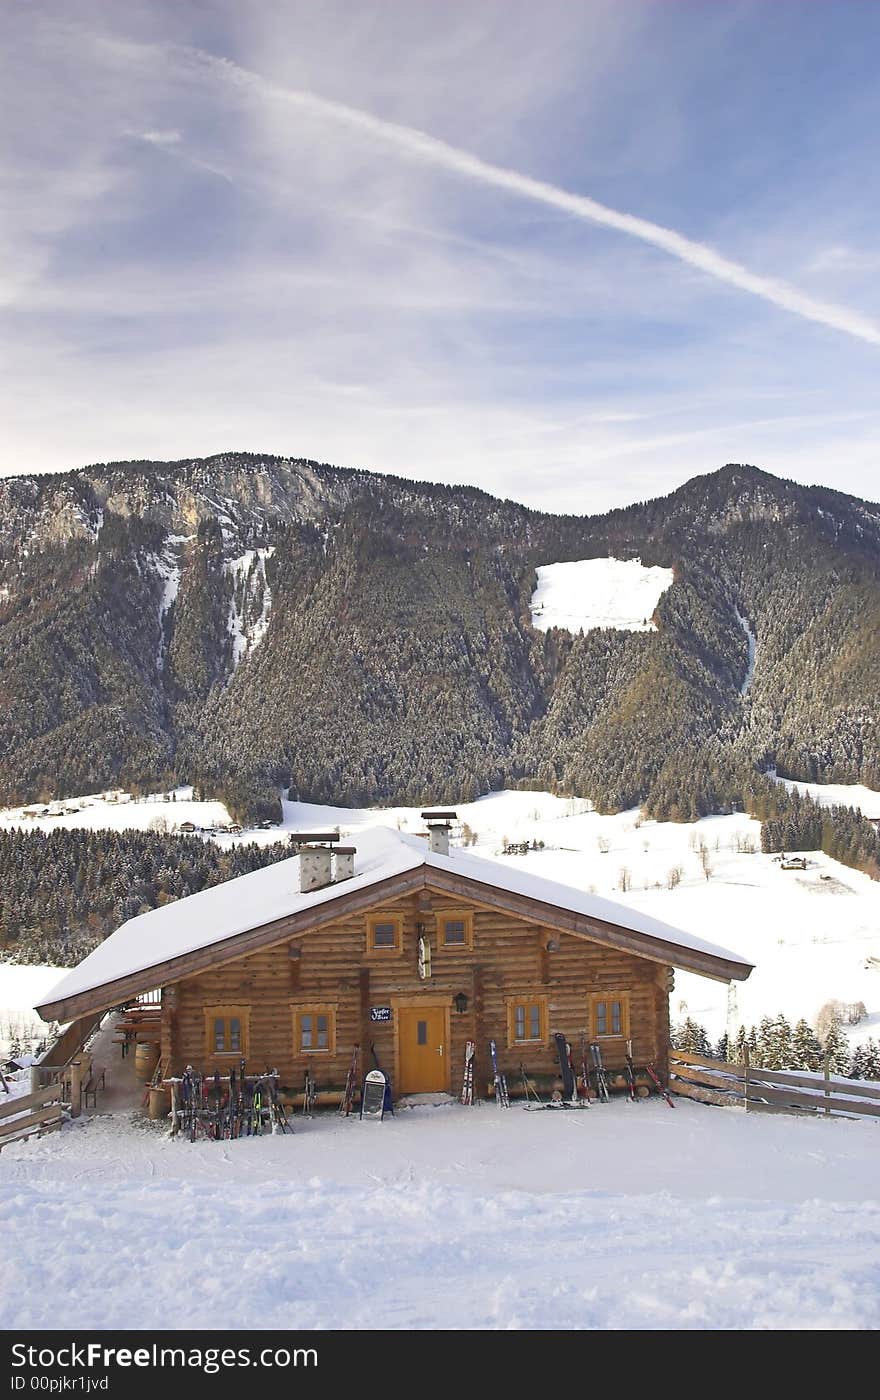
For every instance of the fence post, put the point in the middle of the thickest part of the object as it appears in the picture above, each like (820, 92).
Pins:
(746, 1077)
(827, 1081)
(75, 1087)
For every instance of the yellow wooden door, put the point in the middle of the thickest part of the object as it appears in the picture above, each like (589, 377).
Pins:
(422, 1049)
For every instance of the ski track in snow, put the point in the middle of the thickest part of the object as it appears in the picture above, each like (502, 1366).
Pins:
(624, 1216)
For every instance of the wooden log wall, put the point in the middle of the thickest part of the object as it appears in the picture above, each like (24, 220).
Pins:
(332, 966)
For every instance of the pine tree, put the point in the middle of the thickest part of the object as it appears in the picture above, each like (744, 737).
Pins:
(754, 1047)
(807, 1052)
(779, 1054)
(837, 1049)
(766, 1042)
(692, 1038)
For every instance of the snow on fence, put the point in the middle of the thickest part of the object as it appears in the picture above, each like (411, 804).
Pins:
(771, 1091)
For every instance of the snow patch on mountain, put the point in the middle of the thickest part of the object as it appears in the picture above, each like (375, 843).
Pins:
(863, 799)
(168, 568)
(251, 601)
(585, 594)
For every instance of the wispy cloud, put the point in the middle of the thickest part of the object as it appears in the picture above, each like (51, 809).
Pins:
(160, 138)
(429, 150)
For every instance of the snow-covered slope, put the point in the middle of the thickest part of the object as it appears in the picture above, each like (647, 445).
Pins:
(623, 1216)
(590, 593)
(864, 799)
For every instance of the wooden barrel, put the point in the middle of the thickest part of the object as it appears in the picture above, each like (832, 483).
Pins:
(146, 1058)
(160, 1103)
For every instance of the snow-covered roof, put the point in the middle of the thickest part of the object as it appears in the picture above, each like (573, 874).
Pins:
(264, 896)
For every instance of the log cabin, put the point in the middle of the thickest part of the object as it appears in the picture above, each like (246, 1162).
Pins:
(398, 943)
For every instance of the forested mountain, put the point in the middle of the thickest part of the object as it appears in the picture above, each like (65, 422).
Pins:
(250, 623)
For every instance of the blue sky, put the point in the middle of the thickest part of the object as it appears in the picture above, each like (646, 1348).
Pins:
(639, 241)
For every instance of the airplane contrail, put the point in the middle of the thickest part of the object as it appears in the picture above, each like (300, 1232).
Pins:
(432, 151)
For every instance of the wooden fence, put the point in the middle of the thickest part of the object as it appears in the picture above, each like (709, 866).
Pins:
(31, 1115)
(769, 1090)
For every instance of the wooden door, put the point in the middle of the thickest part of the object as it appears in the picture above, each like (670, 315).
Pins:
(422, 1050)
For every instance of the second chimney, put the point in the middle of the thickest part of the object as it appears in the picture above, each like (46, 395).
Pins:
(439, 824)
(343, 860)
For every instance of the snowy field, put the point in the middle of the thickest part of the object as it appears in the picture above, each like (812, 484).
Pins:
(588, 593)
(810, 933)
(159, 811)
(623, 1216)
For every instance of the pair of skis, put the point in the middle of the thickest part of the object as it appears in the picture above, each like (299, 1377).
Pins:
(351, 1082)
(499, 1080)
(467, 1084)
(651, 1071)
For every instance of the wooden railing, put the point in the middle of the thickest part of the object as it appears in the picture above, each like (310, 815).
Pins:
(31, 1115)
(65, 1063)
(770, 1090)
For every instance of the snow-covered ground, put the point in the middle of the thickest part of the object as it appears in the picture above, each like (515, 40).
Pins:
(588, 593)
(623, 1216)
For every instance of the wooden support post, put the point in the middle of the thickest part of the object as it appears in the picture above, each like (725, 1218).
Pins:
(827, 1082)
(746, 1077)
(175, 1122)
(366, 1032)
(76, 1081)
(481, 1072)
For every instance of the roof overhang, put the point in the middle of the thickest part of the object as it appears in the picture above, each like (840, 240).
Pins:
(422, 877)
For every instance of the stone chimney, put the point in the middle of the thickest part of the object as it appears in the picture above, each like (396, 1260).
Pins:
(314, 868)
(343, 863)
(314, 858)
(439, 824)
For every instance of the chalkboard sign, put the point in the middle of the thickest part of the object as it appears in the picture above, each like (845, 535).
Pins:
(380, 1013)
(373, 1096)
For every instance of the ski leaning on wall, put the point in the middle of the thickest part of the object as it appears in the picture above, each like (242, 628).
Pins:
(502, 1098)
(467, 1084)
